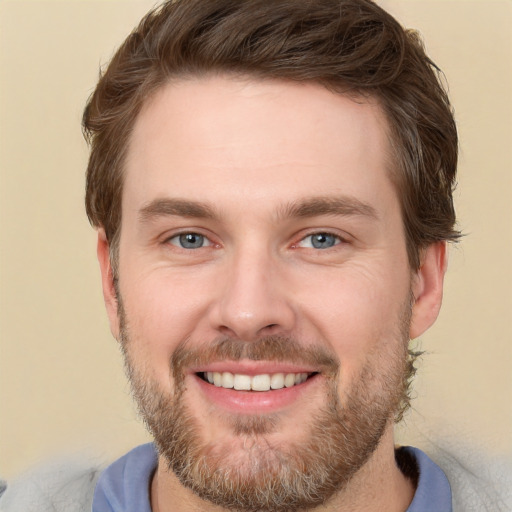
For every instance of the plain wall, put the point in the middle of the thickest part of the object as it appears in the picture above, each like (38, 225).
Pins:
(62, 387)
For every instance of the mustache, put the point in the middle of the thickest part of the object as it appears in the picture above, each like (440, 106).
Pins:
(269, 348)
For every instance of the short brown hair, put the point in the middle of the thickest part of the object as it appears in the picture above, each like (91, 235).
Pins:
(349, 46)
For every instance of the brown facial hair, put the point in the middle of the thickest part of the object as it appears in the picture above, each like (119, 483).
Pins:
(341, 436)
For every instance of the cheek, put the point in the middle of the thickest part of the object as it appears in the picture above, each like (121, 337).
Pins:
(358, 312)
(161, 313)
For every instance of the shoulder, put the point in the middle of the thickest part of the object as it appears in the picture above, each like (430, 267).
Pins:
(63, 486)
(480, 480)
(71, 485)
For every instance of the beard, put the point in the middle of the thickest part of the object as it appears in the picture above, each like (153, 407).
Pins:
(264, 475)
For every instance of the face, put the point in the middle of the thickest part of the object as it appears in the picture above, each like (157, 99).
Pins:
(265, 300)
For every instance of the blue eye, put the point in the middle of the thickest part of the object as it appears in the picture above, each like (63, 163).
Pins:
(320, 241)
(189, 241)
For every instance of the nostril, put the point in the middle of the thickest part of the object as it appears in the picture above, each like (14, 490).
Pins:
(270, 329)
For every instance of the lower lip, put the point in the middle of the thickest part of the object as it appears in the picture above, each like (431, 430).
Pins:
(255, 402)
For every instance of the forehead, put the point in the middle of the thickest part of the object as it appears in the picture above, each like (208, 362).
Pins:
(269, 141)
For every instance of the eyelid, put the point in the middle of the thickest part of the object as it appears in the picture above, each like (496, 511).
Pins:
(341, 239)
(187, 231)
(206, 241)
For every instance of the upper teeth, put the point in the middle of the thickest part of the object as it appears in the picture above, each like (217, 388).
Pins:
(264, 382)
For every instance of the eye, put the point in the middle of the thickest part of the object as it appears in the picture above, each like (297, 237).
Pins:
(190, 241)
(320, 241)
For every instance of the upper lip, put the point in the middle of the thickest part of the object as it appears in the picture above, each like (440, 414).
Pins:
(254, 367)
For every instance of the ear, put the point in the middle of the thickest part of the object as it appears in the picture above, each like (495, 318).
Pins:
(427, 288)
(107, 281)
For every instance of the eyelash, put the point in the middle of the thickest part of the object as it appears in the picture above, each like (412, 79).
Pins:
(337, 240)
(178, 236)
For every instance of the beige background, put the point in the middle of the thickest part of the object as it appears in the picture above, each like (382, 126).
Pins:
(62, 387)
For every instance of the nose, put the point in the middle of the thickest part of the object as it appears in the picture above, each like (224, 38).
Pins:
(254, 299)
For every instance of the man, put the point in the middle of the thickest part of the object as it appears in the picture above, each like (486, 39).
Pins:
(272, 188)
(271, 183)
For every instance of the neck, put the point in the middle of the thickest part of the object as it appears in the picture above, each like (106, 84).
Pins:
(378, 485)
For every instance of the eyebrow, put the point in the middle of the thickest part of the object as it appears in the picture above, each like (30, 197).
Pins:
(177, 207)
(328, 205)
(311, 207)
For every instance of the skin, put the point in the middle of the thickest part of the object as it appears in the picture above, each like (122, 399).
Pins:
(248, 150)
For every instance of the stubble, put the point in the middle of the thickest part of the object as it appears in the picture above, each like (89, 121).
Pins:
(340, 436)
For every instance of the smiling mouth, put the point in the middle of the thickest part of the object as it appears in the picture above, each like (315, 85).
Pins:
(262, 382)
